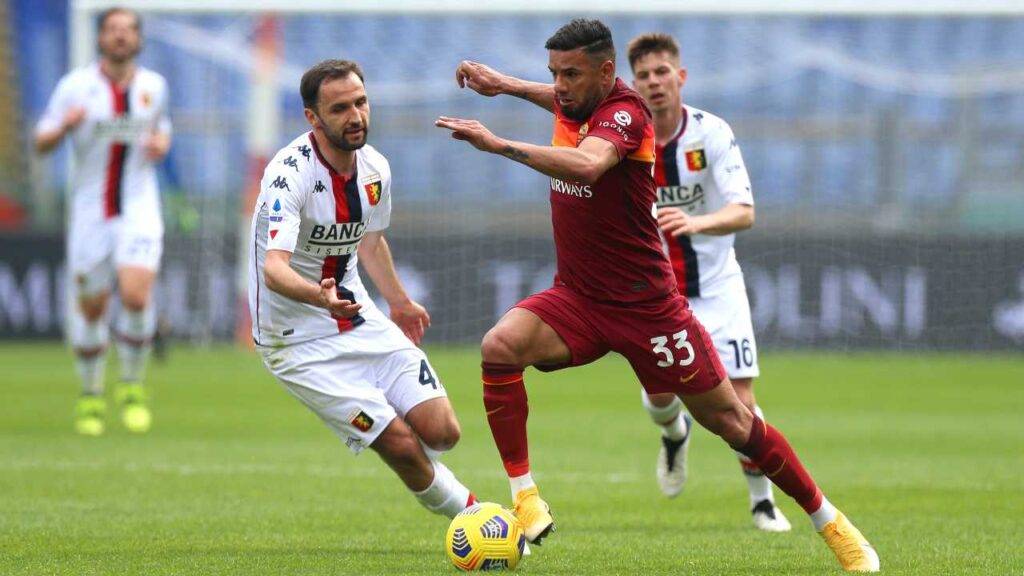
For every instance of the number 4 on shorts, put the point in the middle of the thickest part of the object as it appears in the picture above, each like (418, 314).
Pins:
(426, 376)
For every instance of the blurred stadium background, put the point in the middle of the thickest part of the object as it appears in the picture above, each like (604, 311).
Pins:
(886, 270)
(885, 143)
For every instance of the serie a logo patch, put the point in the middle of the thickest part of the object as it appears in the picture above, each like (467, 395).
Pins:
(695, 160)
(362, 421)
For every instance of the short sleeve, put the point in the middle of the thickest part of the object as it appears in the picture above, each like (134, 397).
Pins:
(60, 102)
(283, 197)
(380, 218)
(163, 122)
(620, 122)
(727, 166)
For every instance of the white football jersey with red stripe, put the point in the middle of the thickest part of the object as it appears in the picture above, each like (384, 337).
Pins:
(701, 170)
(112, 176)
(320, 216)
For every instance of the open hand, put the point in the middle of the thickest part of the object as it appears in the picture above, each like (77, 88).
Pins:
(337, 307)
(412, 318)
(471, 131)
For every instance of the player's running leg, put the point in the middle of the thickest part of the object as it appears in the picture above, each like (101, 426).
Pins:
(433, 484)
(90, 336)
(135, 327)
(519, 339)
(766, 514)
(720, 411)
(666, 410)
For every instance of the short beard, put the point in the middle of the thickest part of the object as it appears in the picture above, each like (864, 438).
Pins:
(580, 114)
(338, 139)
(122, 59)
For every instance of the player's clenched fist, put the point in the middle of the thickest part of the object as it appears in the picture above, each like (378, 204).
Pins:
(480, 78)
(471, 131)
(337, 307)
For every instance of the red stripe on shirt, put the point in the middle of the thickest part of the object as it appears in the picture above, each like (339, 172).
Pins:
(115, 162)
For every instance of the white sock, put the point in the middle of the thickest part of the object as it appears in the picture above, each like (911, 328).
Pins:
(445, 495)
(520, 483)
(759, 485)
(134, 342)
(669, 418)
(825, 514)
(91, 370)
(432, 455)
(89, 341)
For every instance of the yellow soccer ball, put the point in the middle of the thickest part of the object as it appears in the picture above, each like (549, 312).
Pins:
(485, 536)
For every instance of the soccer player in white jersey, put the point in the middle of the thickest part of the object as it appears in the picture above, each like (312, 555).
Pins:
(325, 201)
(115, 113)
(704, 198)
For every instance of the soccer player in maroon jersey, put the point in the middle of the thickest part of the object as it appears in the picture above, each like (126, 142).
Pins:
(614, 289)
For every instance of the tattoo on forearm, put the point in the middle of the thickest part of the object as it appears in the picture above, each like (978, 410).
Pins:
(515, 154)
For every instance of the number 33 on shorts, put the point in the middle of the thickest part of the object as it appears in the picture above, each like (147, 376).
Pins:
(666, 356)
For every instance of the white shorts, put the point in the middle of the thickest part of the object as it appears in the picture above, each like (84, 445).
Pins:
(726, 317)
(356, 395)
(97, 250)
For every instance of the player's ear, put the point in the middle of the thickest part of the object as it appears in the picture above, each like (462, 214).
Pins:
(311, 118)
(608, 69)
(682, 77)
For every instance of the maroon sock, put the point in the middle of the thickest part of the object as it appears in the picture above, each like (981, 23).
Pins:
(507, 409)
(771, 452)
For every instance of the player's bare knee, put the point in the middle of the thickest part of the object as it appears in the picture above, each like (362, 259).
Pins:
(500, 346)
(93, 308)
(729, 424)
(446, 436)
(135, 301)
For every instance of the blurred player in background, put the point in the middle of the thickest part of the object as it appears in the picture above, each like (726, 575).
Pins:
(116, 114)
(704, 198)
(614, 290)
(324, 203)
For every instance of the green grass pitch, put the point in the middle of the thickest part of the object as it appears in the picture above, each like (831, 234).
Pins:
(924, 452)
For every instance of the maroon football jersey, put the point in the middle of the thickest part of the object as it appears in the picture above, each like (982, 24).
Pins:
(606, 234)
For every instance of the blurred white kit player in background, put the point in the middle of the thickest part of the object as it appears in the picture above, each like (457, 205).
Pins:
(704, 198)
(324, 203)
(115, 113)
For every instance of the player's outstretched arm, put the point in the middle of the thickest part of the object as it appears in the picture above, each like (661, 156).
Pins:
(584, 163)
(487, 81)
(281, 278)
(375, 256)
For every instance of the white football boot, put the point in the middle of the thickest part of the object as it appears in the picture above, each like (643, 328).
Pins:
(672, 462)
(769, 518)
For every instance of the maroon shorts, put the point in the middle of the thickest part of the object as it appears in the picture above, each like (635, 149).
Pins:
(667, 347)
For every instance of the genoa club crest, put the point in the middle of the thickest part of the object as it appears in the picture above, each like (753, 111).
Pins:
(695, 160)
(362, 420)
(373, 190)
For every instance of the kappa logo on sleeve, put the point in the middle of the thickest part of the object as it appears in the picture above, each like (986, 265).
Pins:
(623, 117)
(361, 420)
